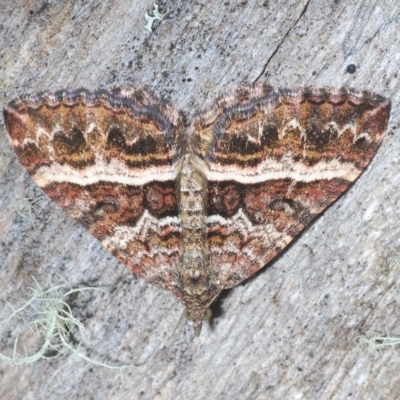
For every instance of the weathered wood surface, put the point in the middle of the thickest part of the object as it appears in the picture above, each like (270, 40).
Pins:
(288, 333)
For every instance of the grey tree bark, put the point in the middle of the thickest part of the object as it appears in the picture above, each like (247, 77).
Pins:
(288, 333)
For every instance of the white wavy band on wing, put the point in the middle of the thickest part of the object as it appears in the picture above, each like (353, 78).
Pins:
(114, 171)
(239, 225)
(145, 228)
(286, 168)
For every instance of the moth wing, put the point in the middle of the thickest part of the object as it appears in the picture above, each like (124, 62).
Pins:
(108, 159)
(276, 159)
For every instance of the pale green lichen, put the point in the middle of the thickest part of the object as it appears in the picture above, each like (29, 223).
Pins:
(156, 16)
(25, 207)
(375, 341)
(48, 316)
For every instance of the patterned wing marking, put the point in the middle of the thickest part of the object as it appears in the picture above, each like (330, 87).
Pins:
(276, 159)
(108, 158)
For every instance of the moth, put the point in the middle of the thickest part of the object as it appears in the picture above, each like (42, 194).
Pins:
(196, 208)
